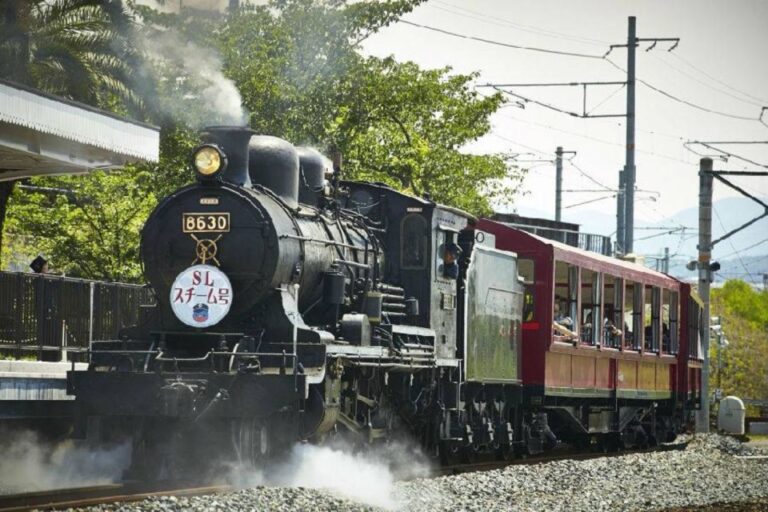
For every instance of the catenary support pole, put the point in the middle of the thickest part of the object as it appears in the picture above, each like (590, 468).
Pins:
(705, 277)
(620, 216)
(629, 166)
(558, 183)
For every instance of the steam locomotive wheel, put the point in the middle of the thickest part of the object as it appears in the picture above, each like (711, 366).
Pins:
(250, 440)
(505, 452)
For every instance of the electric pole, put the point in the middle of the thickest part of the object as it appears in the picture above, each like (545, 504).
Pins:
(626, 242)
(705, 277)
(629, 165)
(665, 267)
(620, 208)
(559, 181)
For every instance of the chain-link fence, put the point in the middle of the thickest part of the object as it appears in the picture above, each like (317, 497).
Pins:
(44, 314)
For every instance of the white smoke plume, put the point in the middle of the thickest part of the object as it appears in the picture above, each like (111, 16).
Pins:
(366, 477)
(29, 464)
(205, 95)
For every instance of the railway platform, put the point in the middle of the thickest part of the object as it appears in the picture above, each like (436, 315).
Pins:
(35, 390)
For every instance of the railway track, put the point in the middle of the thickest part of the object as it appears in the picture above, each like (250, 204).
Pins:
(561, 454)
(127, 492)
(77, 497)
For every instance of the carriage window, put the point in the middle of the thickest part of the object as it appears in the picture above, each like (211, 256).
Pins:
(673, 324)
(525, 269)
(694, 335)
(652, 328)
(613, 310)
(590, 314)
(633, 315)
(413, 242)
(566, 301)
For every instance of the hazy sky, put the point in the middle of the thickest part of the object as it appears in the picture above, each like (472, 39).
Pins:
(727, 40)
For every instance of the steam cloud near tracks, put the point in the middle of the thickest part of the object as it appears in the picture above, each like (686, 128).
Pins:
(367, 477)
(29, 463)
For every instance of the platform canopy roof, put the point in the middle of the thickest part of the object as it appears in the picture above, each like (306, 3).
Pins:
(42, 134)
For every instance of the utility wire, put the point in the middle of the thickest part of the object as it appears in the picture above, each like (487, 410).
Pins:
(730, 242)
(495, 20)
(692, 66)
(588, 137)
(589, 201)
(586, 175)
(709, 85)
(680, 100)
(729, 154)
(587, 56)
(531, 148)
(665, 233)
(506, 45)
(745, 248)
(537, 102)
(614, 93)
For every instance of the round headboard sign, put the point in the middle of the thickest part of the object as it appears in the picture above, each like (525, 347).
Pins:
(201, 296)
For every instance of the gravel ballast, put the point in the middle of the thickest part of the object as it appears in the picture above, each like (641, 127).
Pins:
(712, 469)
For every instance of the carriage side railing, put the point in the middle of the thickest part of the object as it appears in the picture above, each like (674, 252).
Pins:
(43, 315)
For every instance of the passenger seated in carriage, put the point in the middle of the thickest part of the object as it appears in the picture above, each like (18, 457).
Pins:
(562, 323)
(612, 333)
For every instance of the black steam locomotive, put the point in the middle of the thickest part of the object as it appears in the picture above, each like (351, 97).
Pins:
(292, 305)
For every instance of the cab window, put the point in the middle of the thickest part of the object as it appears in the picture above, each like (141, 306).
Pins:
(413, 242)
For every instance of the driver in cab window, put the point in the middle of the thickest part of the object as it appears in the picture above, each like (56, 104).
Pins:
(450, 266)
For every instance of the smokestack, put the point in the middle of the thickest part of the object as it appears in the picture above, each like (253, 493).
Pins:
(233, 140)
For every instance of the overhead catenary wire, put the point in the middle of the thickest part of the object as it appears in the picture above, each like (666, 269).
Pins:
(680, 100)
(730, 242)
(607, 98)
(587, 56)
(499, 21)
(745, 248)
(507, 139)
(709, 85)
(500, 43)
(729, 154)
(537, 102)
(665, 233)
(589, 201)
(588, 137)
(692, 66)
(587, 175)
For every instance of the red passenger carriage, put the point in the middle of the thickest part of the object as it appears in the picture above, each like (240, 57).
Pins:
(621, 356)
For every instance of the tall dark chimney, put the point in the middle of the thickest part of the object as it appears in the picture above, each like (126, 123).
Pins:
(233, 140)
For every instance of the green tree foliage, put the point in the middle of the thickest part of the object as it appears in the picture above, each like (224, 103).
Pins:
(743, 314)
(297, 66)
(393, 122)
(87, 227)
(78, 49)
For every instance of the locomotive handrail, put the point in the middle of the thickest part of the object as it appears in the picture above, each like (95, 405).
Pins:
(319, 241)
(352, 264)
(214, 352)
(161, 357)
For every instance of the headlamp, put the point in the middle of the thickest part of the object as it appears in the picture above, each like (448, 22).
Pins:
(209, 160)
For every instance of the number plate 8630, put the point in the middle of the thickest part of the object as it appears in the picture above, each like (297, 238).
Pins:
(205, 222)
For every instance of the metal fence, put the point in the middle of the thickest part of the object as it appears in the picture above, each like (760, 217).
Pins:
(600, 244)
(46, 314)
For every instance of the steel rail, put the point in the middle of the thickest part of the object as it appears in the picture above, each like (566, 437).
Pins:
(77, 497)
